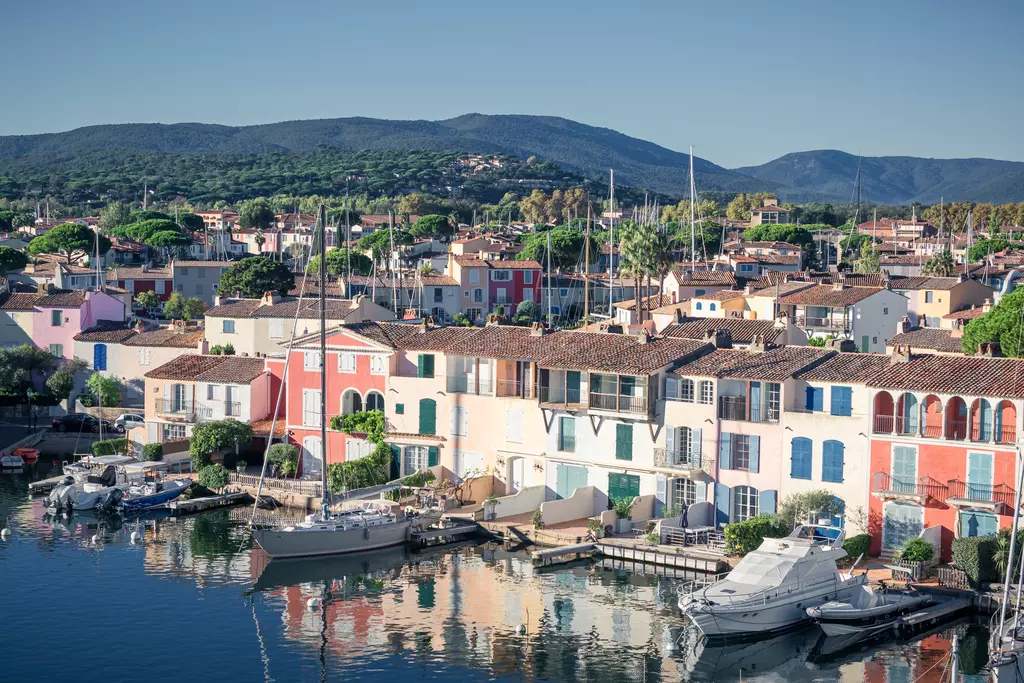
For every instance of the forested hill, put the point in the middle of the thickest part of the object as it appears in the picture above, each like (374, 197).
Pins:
(830, 175)
(574, 146)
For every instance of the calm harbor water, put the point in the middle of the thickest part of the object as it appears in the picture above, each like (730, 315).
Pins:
(196, 601)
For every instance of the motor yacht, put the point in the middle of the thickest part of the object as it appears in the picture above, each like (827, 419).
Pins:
(771, 588)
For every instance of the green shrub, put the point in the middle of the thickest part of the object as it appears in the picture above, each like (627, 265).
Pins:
(213, 477)
(538, 519)
(229, 350)
(916, 550)
(858, 545)
(110, 447)
(87, 400)
(974, 555)
(742, 537)
(623, 508)
(153, 452)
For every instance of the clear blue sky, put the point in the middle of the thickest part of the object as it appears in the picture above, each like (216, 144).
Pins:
(743, 82)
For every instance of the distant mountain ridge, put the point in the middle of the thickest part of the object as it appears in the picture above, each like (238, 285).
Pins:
(820, 175)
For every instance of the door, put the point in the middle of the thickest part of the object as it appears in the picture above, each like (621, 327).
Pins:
(978, 523)
(904, 469)
(518, 474)
(900, 523)
(572, 386)
(312, 457)
(864, 344)
(979, 476)
(568, 478)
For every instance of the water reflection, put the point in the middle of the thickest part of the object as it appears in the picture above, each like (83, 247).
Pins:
(469, 613)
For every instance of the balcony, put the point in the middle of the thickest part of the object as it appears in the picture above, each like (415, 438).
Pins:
(955, 430)
(514, 388)
(735, 408)
(1006, 435)
(558, 395)
(466, 384)
(174, 409)
(682, 462)
(619, 403)
(888, 487)
(830, 324)
(963, 494)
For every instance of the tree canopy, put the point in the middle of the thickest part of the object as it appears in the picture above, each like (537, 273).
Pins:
(982, 248)
(338, 261)
(566, 248)
(148, 215)
(256, 213)
(1002, 325)
(255, 275)
(114, 215)
(433, 225)
(216, 436)
(68, 240)
(178, 307)
(12, 259)
(782, 232)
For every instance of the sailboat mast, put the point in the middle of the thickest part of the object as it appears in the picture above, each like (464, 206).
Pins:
(547, 294)
(611, 242)
(693, 224)
(586, 270)
(321, 220)
(391, 256)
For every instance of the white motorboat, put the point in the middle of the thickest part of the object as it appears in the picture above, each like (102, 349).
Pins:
(11, 461)
(867, 611)
(87, 491)
(771, 588)
(87, 463)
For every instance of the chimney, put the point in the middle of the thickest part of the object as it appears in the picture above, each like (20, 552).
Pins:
(140, 326)
(680, 316)
(900, 354)
(216, 299)
(203, 346)
(990, 350)
(841, 345)
(987, 306)
(957, 331)
(904, 326)
(538, 330)
(642, 336)
(425, 325)
(748, 290)
(269, 299)
(41, 288)
(719, 338)
(758, 345)
(838, 286)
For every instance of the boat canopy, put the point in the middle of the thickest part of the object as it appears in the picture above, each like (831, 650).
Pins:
(759, 568)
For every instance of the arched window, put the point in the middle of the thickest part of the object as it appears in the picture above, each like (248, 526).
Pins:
(712, 306)
(956, 419)
(907, 410)
(744, 504)
(374, 401)
(832, 455)
(351, 402)
(700, 306)
(800, 463)
(932, 416)
(1006, 422)
(686, 390)
(99, 357)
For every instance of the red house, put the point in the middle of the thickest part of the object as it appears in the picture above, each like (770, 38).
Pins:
(142, 278)
(943, 438)
(488, 283)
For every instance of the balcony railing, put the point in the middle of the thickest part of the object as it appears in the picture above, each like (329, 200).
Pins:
(172, 407)
(735, 408)
(549, 394)
(678, 460)
(1006, 435)
(469, 385)
(514, 388)
(985, 493)
(618, 403)
(822, 323)
(232, 408)
(955, 430)
(882, 482)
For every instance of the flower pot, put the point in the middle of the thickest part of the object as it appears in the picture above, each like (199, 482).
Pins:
(623, 526)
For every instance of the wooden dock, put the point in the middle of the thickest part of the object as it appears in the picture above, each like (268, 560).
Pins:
(689, 560)
(194, 505)
(566, 553)
(454, 530)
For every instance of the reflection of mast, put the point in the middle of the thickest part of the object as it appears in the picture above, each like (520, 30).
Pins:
(259, 638)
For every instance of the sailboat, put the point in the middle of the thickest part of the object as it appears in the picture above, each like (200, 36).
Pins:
(370, 526)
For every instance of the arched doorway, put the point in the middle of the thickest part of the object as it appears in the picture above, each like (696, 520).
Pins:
(907, 414)
(956, 419)
(981, 420)
(884, 413)
(932, 416)
(1006, 422)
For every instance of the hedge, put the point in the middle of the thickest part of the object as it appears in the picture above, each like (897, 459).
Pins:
(110, 447)
(153, 452)
(916, 550)
(858, 545)
(742, 537)
(973, 555)
(213, 477)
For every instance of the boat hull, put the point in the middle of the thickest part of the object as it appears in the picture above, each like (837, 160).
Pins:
(77, 498)
(279, 543)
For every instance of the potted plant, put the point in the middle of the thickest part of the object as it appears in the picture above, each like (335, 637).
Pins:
(595, 528)
(624, 509)
(538, 519)
(240, 466)
(491, 503)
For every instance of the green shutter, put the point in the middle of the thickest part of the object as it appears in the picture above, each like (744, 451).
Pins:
(396, 462)
(425, 365)
(428, 416)
(623, 486)
(399, 409)
(419, 366)
(623, 442)
(433, 456)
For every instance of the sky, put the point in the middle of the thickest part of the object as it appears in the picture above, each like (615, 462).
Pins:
(743, 81)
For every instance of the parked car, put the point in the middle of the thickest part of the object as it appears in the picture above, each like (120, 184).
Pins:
(80, 422)
(126, 421)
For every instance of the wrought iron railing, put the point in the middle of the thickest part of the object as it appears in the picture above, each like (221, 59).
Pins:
(987, 493)
(679, 460)
(732, 408)
(469, 385)
(883, 482)
(170, 406)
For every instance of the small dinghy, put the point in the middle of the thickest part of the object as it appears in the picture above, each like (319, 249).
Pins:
(867, 610)
(151, 494)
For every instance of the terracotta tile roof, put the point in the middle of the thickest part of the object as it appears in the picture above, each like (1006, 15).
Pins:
(202, 264)
(648, 304)
(856, 368)
(970, 375)
(337, 309)
(915, 283)
(828, 295)
(932, 338)
(109, 331)
(62, 298)
(610, 352)
(670, 309)
(312, 288)
(234, 308)
(779, 259)
(436, 339)
(137, 273)
(742, 330)
(722, 295)
(499, 341)
(408, 281)
(405, 436)
(902, 260)
(704, 277)
(262, 427)
(388, 334)
(168, 338)
(775, 364)
(966, 314)
(225, 369)
(782, 288)
(21, 301)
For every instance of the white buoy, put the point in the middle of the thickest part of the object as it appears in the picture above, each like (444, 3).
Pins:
(6, 533)
(136, 537)
(521, 630)
(313, 603)
(95, 539)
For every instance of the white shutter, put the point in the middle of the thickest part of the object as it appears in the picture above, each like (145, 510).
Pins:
(695, 446)
(514, 423)
(152, 433)
(671, 443)
(702, 491)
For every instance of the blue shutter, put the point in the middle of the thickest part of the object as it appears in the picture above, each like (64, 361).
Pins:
(809, 398)
(725, 452)
(99, 357)
(800, 464)
(722, 505)
(766, 503)
(814, 398)
(755, 401)
(841, 401)
(755, 453)
(832, 455)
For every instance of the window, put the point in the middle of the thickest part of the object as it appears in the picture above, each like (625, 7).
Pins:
(623, 442)
(460, 421)
(801, 460)
(474, 277)
(277, 329)
(739, 452)
(231, 406)
(563, 292)
(399, 409)
(699, 306)
(478, 296)
(199, 288)
(57, 350)
(711, 307)
(228, 326)
(527, 295)
(425, 365)
(201, 273)
(814, 398)
(842, 401)
(99, 357)
(707, 392)
(567, 434)
(378, 365)
(56, 318)
(623, 486)
(684, 493)
(211, 392)
(346, 362)
(438, 295)
(686, 390)
(527, 277)
(832, 453)
(474, 313)
(885, 311)
(744, 504)
(144, 357)
(174, 432)
(700, 292)
(501, 275)
(746, 267)
(184, 271)
(428, 416)
(928, 297)
(374, 401)
(416, 459)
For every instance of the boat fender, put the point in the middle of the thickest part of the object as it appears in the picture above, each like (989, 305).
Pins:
(313, 604)
(366, 533)
(136, 537)
(6, 533)
(95, 539)
(521, 630)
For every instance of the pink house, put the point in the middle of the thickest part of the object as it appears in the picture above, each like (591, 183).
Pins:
(61, 314)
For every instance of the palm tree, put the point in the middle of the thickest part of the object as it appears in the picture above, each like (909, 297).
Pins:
(941, 265)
